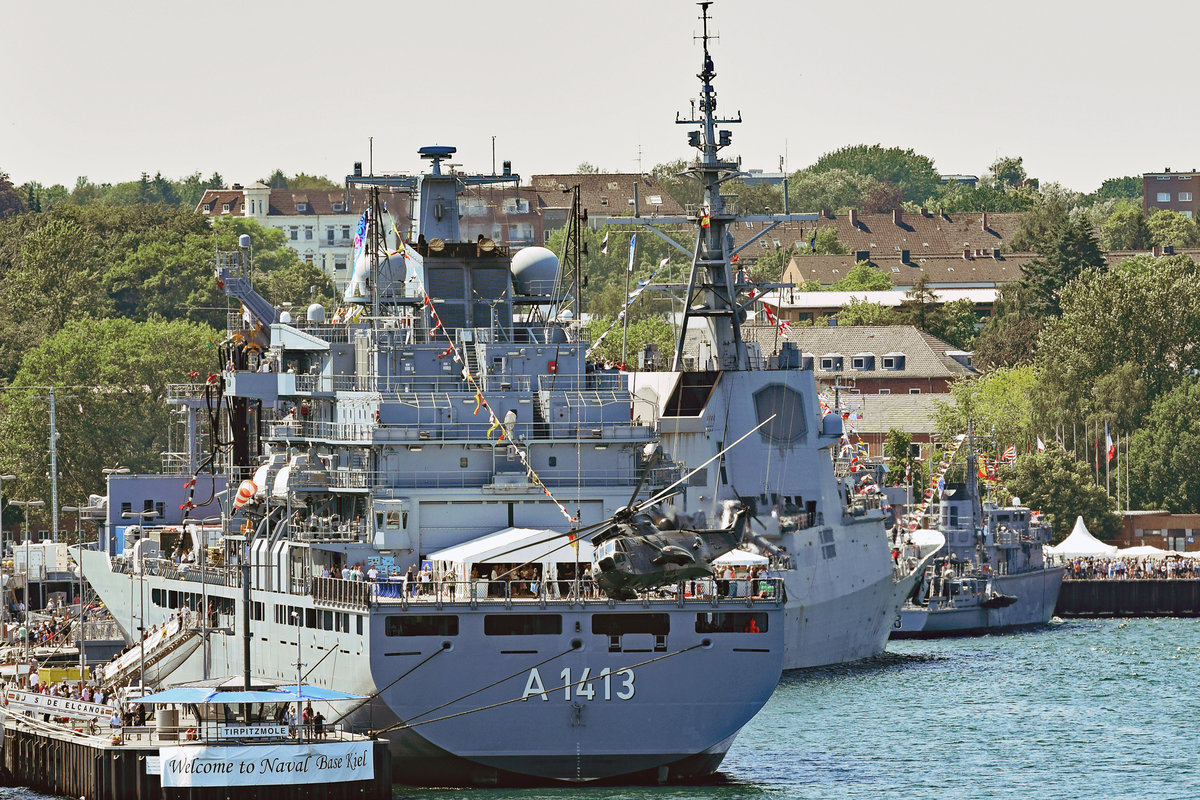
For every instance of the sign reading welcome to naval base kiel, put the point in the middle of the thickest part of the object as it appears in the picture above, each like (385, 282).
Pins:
(59, 706)
(261, 765)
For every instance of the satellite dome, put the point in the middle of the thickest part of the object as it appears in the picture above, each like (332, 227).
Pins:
(316, 313)
(534, 270)
(285, 317)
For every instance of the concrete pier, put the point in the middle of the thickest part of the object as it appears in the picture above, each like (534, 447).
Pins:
(1130, 598)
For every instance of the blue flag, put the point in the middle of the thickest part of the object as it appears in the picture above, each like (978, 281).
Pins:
(632, 244)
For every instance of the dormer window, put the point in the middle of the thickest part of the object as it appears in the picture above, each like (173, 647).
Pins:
(893, 361)
(603, 200)
(339, 207)
(863, 361)
(832, 362)
(225, 208)
(208, 208)
(302, 207)
(516, 205)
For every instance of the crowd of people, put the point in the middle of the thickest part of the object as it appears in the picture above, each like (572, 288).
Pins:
(1131, 568)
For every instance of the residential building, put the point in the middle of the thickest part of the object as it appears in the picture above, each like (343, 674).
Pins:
(603, 195)
(1172, 191)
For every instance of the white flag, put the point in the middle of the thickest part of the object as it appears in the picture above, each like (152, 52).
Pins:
(604, 244)
(1041, 445)
(632, 245)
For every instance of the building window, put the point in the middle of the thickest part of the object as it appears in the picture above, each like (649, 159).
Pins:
(308, 258)
(885, 391)
(1163, 177)
(225, 208)
(329, 234)
(308, 232)
(302, 207)
(1187, 214)
(295, 232)
(208, 208)
(1164, 197)
(603, 200)
(345, 231)
(1185, 197)
(339, 207)
(339, 263)
(516, 205)
(914, 391)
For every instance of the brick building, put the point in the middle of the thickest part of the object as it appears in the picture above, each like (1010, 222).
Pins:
(1172, 191)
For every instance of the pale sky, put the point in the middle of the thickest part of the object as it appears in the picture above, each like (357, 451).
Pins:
(111, 90)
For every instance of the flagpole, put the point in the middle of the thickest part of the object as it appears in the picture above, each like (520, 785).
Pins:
(625, 329)
(1107, 464)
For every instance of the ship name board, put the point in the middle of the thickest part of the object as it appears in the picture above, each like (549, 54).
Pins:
(605, 685)
(252, 731)
(62, 706)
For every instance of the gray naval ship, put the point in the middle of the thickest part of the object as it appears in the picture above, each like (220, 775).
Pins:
(825, 539)
(990, 576)
(431, 500)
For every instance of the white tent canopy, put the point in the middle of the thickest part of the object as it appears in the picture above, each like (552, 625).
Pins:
(740, 558)
(1081, 544)
(1144, 551)
(512, 546)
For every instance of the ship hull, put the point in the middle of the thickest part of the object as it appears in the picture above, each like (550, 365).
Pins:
(1036, 594)
(462, 703)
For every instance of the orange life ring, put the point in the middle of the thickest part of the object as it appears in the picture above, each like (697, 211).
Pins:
(191, 734)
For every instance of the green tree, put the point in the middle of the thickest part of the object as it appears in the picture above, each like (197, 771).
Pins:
(898, 450)
(1125, 228)
(757, 198)
(113, 375)
(299, 283)
(1164, 453)
(838, 190)
(865, 313)
(1008, 171)
(56, 277)
(10, 199)
(957, 198)
(1036, 229)
(863, 278)
(302, 180)
(1115, 188)
(1062, 487)
(998, 402)
(913, 175)
(648, 330)
(1173, 228)
(825, 242)
(1007, 341)
(276, 180)
(1146, 312)
(1070, 248)
(672, 176)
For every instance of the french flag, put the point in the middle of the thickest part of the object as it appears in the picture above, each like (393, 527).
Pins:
(1108, 443)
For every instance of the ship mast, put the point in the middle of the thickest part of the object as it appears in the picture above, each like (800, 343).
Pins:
(712, 292)
(713, 285)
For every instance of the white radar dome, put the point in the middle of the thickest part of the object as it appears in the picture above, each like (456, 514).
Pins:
(534, 270)
(285, 317)
(316, 313)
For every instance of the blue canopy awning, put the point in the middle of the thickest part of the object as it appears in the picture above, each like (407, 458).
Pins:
(210, 696)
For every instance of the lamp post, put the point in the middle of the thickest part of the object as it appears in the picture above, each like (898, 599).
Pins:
(78, 511)
(141, 517)
(3, 580)
(299, 677)
(25, 505)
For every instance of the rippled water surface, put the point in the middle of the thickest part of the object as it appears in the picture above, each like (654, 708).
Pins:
(1082, 709)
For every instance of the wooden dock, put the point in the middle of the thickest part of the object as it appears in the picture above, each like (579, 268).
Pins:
(1129, 598)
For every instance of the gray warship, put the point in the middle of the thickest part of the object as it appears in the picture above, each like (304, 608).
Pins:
(405, 501)
(824, 537)
(991, 574)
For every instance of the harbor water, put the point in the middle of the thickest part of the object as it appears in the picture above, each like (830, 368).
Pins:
(1081, 709)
